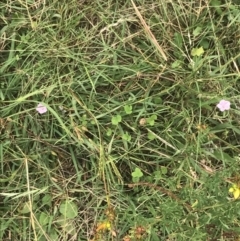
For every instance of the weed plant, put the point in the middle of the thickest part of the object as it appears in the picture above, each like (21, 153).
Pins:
(130, 144)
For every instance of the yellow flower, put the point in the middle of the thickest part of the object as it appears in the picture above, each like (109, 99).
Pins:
(103, 226)
(235, 190)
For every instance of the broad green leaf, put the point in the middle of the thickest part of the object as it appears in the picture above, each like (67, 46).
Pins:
(164, 170)
(109, 132)
(137, 173)
(116, 119)
(151, 120)
(126, 136)
(151, 136)
(47, 199)
(128, 109)
(25, 209)
(176, 64)
(205, 43)
(66, 225)
(197, 31)
(153, 117)
(197, 51)
(53, 235)
(61, 220)
(69, 228)
(135, 179)
(157, 100)
(178, 40)
(68, 209)
(217, 5)
(44, 218)
(157, 175)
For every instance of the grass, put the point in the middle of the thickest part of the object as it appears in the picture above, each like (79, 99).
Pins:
(132, 146)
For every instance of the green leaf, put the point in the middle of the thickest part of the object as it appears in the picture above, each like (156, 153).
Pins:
(66, 225)
(126, 136)
(44, 218)
(197, 51)
(164, 170)
(135, 179)
(137, 173)
(151, 120)
(128, 109)
(47, 199)
(53, 235)
(178, 40)
(176, 64)
(205, 43)
(157, 175)
(151, 136)
(25, 209)
(217, 5)
(157, 100)
(116, 119)
(197, 31)
(109, 132)
(69, 228)
(153, 117)
(68, 209)
(223, 156)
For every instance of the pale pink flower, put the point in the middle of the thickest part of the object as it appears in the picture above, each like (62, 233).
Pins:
(223, 105)
(41, 109)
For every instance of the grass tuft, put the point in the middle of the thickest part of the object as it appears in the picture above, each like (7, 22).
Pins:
(132, 146)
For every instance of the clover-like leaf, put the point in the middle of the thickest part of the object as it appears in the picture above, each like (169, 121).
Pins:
(137, 173)
(126, 136)
(116, 119)
(151, 120)
(128, 109)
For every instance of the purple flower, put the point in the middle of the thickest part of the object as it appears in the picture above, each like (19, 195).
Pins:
(41, 109)
(223, 105)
